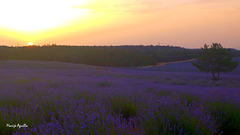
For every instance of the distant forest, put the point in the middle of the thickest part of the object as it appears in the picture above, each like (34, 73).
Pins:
(115, 56)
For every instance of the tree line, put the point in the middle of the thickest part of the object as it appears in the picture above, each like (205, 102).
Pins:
(115, 56)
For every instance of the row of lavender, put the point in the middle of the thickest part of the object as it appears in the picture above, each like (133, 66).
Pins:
(58, 98)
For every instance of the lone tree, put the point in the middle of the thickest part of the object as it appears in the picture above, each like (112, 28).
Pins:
(215, 59)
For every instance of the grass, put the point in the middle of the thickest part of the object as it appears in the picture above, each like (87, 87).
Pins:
(164, 93)
(175, 121)
(125, 107)
(219, 84)
(104, 84)
(12, 102)
(178, 82)
(188, 99)
(227, 115)
(22, 81)
(168, 79)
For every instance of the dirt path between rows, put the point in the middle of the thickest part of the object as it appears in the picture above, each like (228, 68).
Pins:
(165, 63)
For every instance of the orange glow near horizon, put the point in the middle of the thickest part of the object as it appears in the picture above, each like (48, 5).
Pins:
(187, 23)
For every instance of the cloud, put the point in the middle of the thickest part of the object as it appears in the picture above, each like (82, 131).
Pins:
(155, 6)
(118, 7)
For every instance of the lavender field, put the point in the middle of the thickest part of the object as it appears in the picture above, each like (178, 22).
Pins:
(39, 97)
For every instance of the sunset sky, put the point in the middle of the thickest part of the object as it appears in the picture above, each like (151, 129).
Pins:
(186, 23)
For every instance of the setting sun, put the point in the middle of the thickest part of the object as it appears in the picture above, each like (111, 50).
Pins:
(30, 43)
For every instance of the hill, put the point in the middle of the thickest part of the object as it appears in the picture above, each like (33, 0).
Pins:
(115, 56)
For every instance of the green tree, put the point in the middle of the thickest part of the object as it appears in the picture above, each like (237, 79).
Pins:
(215, 59)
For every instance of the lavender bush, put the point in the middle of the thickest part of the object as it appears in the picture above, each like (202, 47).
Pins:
(59, 98)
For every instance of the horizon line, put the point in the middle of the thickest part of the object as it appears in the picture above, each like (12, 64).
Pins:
(44, 45)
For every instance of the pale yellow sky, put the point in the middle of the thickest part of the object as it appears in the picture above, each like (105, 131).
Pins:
(187, 23)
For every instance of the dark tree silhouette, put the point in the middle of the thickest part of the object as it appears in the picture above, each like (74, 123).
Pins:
(215, 59)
